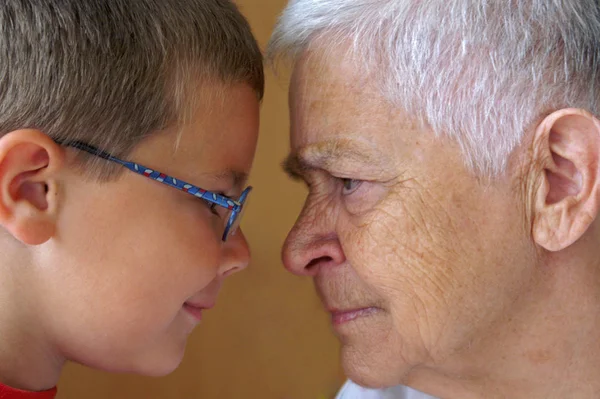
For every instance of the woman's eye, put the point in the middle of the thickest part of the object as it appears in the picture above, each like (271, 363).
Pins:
(350, 185)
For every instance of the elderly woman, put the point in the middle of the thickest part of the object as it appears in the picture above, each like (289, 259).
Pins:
(451, 149)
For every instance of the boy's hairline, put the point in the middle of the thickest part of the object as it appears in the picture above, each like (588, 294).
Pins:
(213, 86)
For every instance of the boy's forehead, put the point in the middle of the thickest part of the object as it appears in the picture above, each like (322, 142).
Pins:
(229, 177)
(217, 143)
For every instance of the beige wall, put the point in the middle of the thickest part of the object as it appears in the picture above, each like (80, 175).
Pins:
(268, 337)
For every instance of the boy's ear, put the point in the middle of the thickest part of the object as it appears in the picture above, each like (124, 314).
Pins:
(567, 157)
(29, 162)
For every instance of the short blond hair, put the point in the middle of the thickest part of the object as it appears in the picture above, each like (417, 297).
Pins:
(111, 72)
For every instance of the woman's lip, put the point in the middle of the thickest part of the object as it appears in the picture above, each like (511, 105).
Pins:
(339, 317)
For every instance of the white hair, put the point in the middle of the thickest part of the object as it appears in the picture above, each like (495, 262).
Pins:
(479, 71)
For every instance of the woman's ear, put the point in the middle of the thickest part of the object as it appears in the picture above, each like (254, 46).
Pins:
(567, 153)
(29, 162)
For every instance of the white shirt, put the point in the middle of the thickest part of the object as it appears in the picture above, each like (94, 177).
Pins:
(352, 391)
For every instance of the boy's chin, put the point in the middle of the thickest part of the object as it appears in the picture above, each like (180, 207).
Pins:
(160, 367)
(160, 370)
(156, 365)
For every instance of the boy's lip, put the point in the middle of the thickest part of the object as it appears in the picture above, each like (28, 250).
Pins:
(200, 305)
(195, 309)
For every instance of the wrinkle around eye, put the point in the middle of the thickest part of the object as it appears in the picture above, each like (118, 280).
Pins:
(367, 197)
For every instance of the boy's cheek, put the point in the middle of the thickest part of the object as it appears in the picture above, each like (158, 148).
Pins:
(134, 251)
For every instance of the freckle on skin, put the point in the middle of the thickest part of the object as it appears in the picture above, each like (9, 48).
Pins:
(540, 356)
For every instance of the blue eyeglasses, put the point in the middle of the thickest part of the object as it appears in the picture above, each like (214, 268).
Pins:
(236, 207)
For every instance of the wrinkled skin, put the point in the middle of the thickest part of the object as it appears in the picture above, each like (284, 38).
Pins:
(430, 273)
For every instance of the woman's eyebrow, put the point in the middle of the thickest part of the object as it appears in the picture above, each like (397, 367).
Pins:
(322, 155)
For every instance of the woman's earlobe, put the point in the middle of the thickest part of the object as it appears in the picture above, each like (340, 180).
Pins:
(567, 200)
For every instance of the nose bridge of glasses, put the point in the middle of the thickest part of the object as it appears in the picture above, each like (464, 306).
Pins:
(233, 221)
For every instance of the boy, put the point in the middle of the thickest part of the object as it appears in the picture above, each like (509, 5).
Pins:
(127, 130)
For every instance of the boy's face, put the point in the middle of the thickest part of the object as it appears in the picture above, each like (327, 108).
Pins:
(114, 284)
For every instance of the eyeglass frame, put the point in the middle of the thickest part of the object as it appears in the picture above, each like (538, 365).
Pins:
(235, 206)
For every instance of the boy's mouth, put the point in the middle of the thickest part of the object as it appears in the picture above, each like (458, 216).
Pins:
(195, 308)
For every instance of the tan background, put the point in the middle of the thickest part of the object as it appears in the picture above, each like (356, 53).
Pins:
(268, 337)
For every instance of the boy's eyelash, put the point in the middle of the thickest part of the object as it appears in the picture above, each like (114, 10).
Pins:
(212, 207)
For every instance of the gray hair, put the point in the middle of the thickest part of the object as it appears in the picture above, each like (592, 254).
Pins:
(479, 71)
(111, 72)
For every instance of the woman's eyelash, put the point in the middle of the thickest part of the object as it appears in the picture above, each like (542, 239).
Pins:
(350, 185)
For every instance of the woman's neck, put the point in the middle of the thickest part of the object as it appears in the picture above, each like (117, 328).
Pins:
(549, 349)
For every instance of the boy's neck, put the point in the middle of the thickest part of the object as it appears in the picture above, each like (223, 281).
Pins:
(27, 365)
(27, 358)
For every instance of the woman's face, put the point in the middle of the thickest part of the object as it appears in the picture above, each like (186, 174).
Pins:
(414, 258)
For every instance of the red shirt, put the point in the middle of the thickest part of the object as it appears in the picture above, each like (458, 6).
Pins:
(12, 393)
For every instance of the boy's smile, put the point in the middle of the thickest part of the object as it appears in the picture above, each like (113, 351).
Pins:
(143, 259)
(127, 133)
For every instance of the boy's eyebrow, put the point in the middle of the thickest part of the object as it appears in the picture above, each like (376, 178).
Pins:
(235, 178)
(322, 155)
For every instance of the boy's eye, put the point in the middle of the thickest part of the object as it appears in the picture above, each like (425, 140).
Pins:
(350, 185)
(212, 207)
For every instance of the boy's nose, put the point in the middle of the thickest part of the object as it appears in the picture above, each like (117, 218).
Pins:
(236, 254)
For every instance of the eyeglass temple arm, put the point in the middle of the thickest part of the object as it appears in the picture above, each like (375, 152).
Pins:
(215, 198)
